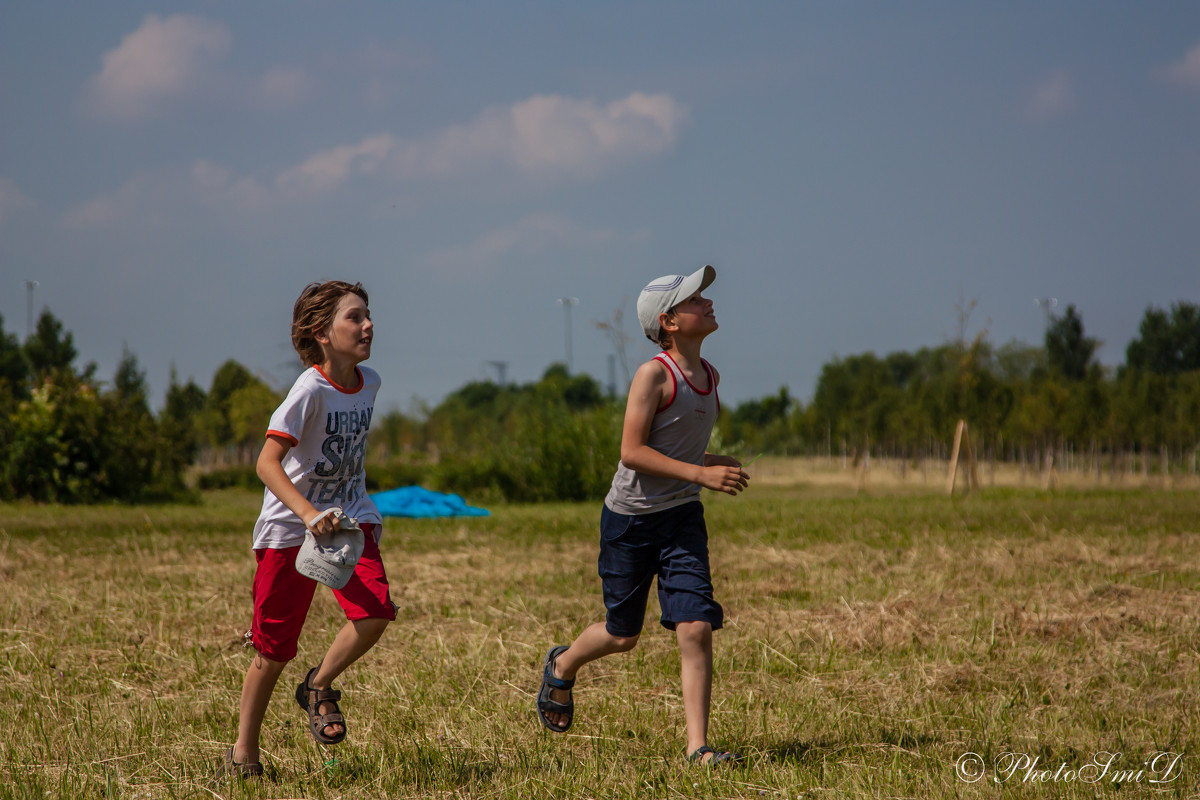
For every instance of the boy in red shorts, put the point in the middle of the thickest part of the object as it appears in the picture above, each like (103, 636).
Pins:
(312, 461)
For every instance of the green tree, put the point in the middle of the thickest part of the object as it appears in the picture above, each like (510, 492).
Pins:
(14, 369)
(50, 349)
(128, 439)
(55, 452)
(1167, 344)
(250, 409)
(178, 432)
(215, 421)
(1068, 350)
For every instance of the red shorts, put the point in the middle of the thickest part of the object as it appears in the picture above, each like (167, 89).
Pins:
(282, 596)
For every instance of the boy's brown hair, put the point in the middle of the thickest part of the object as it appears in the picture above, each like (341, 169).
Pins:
(313, 314)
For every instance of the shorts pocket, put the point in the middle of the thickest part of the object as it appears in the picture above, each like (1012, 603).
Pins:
(614, 526)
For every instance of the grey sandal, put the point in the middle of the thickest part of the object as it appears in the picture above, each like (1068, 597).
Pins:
(544, 703)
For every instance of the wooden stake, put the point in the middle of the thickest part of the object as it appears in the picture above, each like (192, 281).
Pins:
(958, 435)
(972, 472)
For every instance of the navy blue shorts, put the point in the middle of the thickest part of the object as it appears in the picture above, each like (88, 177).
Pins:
(672, 544)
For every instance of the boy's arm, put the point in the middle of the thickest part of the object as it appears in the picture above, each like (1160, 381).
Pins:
(270, 471)
(645, 396)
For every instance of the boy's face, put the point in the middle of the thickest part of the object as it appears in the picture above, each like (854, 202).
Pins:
(350, 334)
(695, 315)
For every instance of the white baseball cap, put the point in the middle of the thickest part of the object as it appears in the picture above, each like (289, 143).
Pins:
(331, 559)
(663, 294)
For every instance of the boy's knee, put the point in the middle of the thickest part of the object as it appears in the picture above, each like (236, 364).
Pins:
(268, 664)
(624, 644)
(697, 632)
(373, 626)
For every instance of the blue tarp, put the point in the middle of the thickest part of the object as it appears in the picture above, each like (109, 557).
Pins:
(414, 501)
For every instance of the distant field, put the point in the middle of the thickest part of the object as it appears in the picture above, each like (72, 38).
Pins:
(877, 634)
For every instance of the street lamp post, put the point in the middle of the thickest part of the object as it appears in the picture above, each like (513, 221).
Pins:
(567, 303)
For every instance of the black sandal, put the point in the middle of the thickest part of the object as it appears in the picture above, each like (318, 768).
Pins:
(718, 758)
(243, 770)
(544, 703)
(310, 700)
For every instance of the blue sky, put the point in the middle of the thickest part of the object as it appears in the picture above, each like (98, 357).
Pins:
(173, 174)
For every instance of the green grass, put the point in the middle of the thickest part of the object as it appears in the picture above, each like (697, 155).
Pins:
(871, 641)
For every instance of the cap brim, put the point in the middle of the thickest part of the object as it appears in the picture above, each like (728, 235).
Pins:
(698, 281)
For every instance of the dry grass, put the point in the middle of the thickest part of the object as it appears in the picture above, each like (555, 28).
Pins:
(872, 639)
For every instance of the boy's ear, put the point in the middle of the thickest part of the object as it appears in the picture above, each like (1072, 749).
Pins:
(322, 337)
(665, 319)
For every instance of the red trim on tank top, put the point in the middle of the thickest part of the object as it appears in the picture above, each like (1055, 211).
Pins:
(707, 369)
(674, 382)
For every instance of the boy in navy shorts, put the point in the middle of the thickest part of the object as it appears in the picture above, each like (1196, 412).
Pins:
(652, 523)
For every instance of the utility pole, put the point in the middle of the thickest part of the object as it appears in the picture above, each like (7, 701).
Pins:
(501, 372)
(1048, 304)
(567, 303)
(29, 287)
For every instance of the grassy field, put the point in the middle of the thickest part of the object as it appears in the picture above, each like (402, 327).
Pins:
(874, 640)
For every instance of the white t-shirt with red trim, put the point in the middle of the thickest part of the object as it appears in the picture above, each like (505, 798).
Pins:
(327, 425)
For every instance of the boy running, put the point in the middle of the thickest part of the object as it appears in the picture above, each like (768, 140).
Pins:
(652, 523)
(312, 462)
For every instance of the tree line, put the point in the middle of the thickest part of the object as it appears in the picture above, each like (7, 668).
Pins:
(68, 436)
(1020, 402)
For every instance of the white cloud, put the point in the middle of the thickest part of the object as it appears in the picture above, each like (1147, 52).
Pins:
(330, 168)
(1053, 97)
(555, 133)
(1185, 71)
(163, 58)
(544, 136)
(12, 199)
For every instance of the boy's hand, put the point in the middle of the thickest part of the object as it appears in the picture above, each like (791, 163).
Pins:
(323, 523)
(714, 460)
(726, 477)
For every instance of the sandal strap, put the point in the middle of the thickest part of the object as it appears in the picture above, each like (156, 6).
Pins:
(548, 677)
(243, 768)
(318, 696)
(555, 707)
(565, 684)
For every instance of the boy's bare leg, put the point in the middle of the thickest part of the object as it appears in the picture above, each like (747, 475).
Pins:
(696, 659)
(354, 639)
(260, 681)
(595, 642)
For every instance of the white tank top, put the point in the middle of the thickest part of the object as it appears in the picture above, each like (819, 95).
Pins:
(679, 430)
